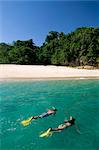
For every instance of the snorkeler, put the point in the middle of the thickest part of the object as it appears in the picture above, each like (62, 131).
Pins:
(45, 114)
(67, 123)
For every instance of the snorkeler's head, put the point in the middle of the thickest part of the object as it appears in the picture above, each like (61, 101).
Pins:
(72, 119)
(54, 109)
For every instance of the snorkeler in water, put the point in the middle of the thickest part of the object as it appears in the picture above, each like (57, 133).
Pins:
(67, 123)
(45, 114)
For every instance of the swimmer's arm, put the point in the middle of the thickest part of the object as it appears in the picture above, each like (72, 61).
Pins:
(77, 129)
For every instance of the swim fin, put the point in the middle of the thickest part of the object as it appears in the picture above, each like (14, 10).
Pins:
(26, 122)
(46, 133)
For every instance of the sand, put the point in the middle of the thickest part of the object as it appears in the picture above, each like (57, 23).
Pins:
(44, 72)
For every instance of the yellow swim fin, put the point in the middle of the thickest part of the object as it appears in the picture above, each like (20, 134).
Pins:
(26, 122)
(46, 133)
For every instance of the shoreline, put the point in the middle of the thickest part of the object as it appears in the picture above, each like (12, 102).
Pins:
(50, 78)
(40, 72)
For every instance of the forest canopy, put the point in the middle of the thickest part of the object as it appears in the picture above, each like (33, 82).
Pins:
(77, 48)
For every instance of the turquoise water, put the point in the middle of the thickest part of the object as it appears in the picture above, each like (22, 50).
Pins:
(22, 99)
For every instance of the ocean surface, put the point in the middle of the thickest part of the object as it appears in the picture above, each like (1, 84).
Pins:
(20, 100)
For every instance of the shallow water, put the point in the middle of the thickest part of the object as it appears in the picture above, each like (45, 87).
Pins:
(22, 99)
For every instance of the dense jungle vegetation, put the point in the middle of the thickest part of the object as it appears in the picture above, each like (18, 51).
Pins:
(77, 48)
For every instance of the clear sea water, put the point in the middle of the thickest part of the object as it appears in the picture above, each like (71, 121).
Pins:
(22, 99)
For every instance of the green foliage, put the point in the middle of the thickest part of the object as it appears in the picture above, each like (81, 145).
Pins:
(4, 50)
(22, 55)
(80, 47)
(51, 36)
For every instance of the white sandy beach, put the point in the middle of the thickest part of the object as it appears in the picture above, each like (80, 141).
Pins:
(43, 72)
